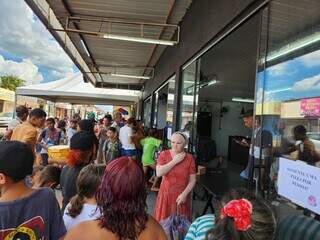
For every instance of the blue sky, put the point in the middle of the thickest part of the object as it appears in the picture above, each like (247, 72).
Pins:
(27, 49)
(294, 79)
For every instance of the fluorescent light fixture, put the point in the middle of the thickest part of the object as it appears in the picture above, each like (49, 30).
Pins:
(212, 82)
(85, 48)
(189, 81)
(247, 100)
(294, 46)
(138, 39)
(129, 76)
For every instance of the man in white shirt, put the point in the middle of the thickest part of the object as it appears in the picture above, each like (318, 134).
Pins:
(22, 113)
(118, 121)
(125, 134)
(72, 129)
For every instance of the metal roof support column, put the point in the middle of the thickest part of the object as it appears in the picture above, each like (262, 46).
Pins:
(177, 100)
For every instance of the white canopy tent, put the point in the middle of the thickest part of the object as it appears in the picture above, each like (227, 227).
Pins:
(75, 91)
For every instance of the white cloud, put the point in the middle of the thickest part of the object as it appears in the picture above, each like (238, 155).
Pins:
(25, 37)
(279, 69)
(312, 83)
(264, 95)
(259, 95)
(311, 59)
(269, 96)
(25, 70)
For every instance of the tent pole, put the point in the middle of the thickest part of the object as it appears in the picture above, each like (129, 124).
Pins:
(54, 109)
(15, 105)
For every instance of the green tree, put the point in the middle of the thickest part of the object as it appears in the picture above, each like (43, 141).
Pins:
(11, 82)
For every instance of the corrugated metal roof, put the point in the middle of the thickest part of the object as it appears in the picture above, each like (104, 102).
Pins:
(115, 52)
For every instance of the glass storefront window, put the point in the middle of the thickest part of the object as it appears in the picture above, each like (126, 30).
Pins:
(154, 109)
(288, 83)
(147, 112)
(188, 102)
(164, 99)
(161, 112)
(188, 85)
(171, 92)
(226, 91)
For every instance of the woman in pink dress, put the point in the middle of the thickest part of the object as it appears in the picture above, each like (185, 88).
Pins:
(178, 172)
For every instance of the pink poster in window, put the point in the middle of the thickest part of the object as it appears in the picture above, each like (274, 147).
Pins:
(310, 107)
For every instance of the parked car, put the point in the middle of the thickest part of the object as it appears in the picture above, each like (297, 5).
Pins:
(5, 118)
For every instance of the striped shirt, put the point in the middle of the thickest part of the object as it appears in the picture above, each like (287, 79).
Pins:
(297, 227)
(200, 227)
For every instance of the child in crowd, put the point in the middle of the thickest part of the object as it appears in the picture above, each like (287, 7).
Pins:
(63, 132)
(102, 136)
(150, 145)
(72, 129)
(121, 199)
(25, 213)
(111, 147)
(48, 177)
(242, 217)
(83, 206)
(34, 177)
(50, 136)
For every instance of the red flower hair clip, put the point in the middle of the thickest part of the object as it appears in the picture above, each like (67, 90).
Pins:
(240, 210)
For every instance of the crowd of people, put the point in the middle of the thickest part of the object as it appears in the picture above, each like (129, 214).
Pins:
(104, 184)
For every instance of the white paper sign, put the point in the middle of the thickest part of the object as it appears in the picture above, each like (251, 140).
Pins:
(300, 183)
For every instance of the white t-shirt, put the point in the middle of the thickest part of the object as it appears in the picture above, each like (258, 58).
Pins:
(124, 136)
(70, 133)
(88, 212)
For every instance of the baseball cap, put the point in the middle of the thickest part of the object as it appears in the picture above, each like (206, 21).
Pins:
(82, 140)
(16, 159)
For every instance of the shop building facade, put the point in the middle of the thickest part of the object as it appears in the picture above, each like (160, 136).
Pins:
(284, 41)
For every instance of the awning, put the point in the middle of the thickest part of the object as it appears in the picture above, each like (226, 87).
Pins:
(114, 43)
(74, 90)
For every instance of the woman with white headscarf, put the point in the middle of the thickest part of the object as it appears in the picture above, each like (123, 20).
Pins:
(178, 172)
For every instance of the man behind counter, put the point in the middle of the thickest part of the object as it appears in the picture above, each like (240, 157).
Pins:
(261, 142)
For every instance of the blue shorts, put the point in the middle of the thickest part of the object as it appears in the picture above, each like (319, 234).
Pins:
(128, 152)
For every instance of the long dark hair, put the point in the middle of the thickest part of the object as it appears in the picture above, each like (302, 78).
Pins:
(49, 176)
(88, 125)
(152, 132)
(62, 125)
(88, 182)
(263, 221)
(133, 122)
(121, 199)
